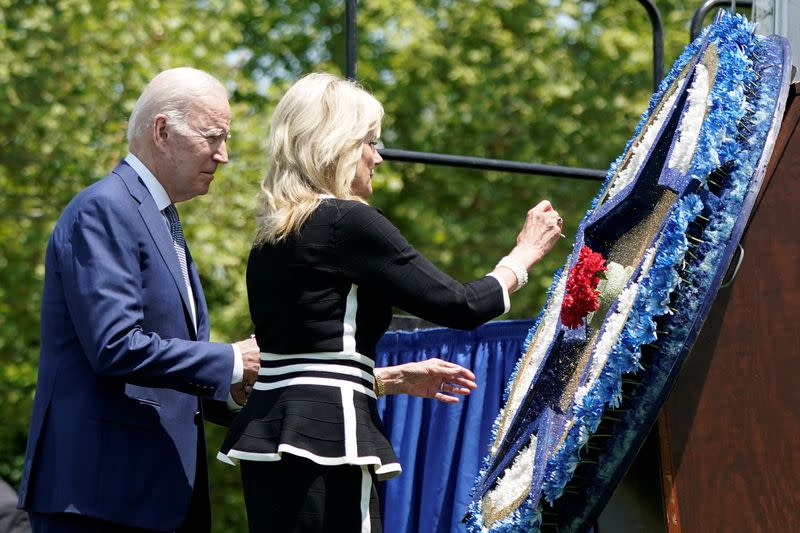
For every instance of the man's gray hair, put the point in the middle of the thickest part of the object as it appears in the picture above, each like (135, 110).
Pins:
(172, 93)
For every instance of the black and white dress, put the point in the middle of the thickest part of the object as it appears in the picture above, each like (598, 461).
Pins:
(320, 302)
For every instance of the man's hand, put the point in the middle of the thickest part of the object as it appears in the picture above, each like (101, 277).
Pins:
(432, 378)
(239, 393)
(251, 359)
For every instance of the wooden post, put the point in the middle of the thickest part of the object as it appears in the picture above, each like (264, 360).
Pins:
(730, 430)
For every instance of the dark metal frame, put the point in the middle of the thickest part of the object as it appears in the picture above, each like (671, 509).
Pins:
(503, 165)
(499, 164)
(702, 11)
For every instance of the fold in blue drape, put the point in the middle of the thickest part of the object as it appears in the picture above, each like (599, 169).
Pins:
(441, 446)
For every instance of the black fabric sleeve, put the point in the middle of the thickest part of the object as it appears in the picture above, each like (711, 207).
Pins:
(217, 412)
(372, 251)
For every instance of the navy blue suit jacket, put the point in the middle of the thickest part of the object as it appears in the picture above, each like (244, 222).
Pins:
(117, 417)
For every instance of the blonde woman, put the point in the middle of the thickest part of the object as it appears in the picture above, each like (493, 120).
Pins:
(323, 275)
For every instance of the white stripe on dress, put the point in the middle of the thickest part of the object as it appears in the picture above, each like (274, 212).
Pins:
(327, 382)
(349, 416)
(302, 452)
(366, 492)
(382, 471)
(349, 322)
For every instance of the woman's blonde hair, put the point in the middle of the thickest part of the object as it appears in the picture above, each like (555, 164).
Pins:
(315, 143)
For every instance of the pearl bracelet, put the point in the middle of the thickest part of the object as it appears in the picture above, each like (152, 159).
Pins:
(519, 271)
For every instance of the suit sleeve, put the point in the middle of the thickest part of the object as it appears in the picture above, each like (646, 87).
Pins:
(102, 270)
(374, 253)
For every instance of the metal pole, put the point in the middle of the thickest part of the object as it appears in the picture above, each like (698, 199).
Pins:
(658, 41)
(500, 165)
(350, 39)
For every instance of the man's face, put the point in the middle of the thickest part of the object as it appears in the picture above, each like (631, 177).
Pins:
(193, 152)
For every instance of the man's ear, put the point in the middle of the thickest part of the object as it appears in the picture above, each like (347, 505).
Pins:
(160, 130)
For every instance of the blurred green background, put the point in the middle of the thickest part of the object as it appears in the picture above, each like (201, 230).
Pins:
(543, 81)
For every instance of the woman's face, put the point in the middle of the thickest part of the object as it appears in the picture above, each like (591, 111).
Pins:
(370, 158)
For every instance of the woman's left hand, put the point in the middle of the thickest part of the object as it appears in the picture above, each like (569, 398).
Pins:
(432, 378)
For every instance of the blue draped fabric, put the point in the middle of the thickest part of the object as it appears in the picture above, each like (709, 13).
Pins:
(441, 446)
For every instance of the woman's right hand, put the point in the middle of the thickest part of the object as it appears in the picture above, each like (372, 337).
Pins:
(540, 232)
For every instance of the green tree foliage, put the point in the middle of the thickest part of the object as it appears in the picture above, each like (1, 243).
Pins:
(546, 81)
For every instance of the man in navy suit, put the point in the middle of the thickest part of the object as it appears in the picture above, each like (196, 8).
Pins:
(126, 371)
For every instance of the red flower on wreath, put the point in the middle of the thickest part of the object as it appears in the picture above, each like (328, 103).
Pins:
(582, 296)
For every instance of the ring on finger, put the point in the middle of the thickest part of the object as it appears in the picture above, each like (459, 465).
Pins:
(560, 221)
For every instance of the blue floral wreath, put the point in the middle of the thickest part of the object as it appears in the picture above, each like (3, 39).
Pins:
(727, 128)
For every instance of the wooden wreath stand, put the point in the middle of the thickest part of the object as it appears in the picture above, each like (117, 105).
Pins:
(729, 434)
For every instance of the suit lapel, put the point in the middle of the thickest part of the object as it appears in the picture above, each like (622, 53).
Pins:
(154, 222)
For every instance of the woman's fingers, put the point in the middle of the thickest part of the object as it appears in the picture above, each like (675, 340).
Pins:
(445, 398)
